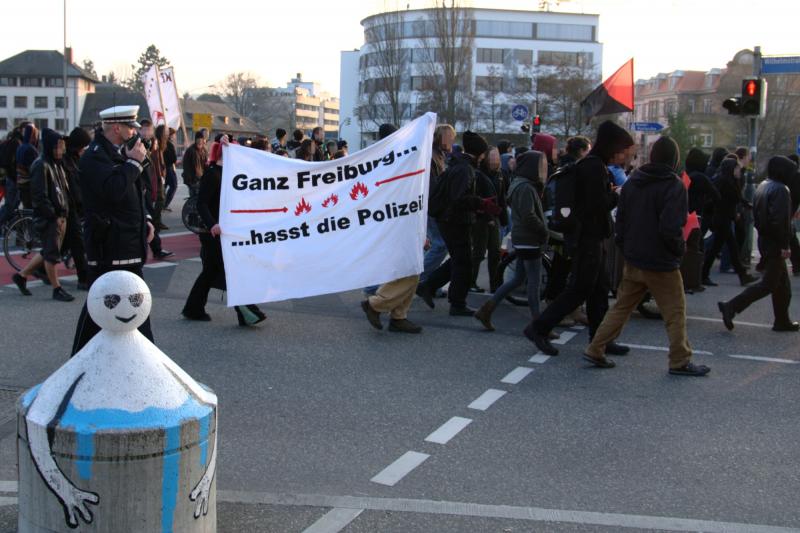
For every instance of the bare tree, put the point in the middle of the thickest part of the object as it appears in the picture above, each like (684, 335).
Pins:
(560, 89)
(779, 128)
(273, 108)
(448, 39)
(490, 98)
(236, 90)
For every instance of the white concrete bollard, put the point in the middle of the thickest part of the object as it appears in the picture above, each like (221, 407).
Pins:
(119, 439)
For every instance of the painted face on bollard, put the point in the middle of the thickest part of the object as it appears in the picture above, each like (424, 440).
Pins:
(119, 301)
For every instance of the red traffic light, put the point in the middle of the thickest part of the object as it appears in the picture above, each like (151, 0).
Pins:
(537, 120)
(751, 87)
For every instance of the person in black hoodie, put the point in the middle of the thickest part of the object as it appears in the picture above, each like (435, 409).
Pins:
(794, 190)
(48, 190)
(594, 200)
(77, 142)
(652, 211)
(455, 224)
(701, 193)
(773, 219)
(725, 212)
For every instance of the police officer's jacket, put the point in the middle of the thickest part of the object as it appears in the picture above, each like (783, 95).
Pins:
(115, 223)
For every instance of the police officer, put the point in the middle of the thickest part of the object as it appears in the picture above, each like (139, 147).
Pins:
(117, 228)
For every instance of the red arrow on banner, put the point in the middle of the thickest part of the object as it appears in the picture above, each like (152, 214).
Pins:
(281, 210)
(401, 176)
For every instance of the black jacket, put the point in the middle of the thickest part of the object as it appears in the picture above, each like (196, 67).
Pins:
(208, 198)
(115, 226)
(772, 213)
(725, 208)
(463, 199)
(594, 199)
(701, 192)
(49, 187)
(652, 211)
(75, 200)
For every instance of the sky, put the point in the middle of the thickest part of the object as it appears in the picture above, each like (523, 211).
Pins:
(207, 40)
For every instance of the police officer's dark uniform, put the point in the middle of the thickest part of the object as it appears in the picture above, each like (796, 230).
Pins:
(115, 224)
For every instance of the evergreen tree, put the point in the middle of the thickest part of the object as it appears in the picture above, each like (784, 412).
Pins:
(151, 56)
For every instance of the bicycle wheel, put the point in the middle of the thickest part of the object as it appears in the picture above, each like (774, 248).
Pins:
(21, 243)
(190, 217)
(505, 271)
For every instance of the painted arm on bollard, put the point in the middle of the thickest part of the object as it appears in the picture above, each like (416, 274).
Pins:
(202, 490)
(71, 497)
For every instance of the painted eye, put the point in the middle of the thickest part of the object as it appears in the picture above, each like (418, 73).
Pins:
(136, 299)
(111, 300)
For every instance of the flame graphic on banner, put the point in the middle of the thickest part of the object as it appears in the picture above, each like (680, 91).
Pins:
(359, 189)
(330, 201)
(302, 207)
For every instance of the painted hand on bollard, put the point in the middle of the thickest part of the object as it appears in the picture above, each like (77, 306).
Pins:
(74, 499)
(202, 491)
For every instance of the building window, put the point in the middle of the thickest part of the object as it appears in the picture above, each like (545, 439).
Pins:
(19, 120)
(41, 123)
(707, 106)
(40, 102)
(423, 83)
(3, 101)
(524, 57)
(489, 83)
(61, 124)
(564, 32)
(503, 29)
(30, 82)
(671, 108)
(60, 102)
(20, 102)
(3, 123)
(8, 81)
(54, 82)
(690, 104)
(490, 55)
(567, 59)
(707, 140)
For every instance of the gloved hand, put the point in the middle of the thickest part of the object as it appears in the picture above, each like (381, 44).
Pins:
(490, 207)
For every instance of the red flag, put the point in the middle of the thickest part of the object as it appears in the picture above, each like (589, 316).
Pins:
(692, 222)
(615, 95)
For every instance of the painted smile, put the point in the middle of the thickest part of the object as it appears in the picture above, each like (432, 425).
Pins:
(125, 320)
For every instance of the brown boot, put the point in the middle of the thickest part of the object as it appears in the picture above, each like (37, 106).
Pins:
(484, 314)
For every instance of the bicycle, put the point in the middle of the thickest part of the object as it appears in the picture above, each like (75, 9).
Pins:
(21, 241)
(508, 261)
(190, 216)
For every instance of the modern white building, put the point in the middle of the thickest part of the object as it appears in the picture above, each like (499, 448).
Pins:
(509, 49)
(32, 88)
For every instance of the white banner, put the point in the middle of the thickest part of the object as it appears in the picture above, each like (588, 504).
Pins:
(162, 97)
(292, 229)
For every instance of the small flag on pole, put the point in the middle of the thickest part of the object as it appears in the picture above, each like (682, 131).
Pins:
(615, 95)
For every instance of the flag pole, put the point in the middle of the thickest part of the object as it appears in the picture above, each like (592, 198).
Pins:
(180, 111)
(160, 97)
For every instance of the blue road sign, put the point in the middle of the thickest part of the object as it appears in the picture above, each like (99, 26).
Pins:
(519, 112)
(797, 148)
(780, 65)
(648, 126)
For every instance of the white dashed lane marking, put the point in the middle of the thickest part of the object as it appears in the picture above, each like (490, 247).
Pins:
(160, 265)
(448, 430)
(396, 471)
(485, 400)
(539, 358)
(662, 348)
(766, 359)
(334, 520)
(565, 337)
(516, 375)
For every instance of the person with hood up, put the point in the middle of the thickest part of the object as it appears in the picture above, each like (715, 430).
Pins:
(725, 212)
(27, 153)
(77, 142)
(594, 200)
(652, 210)
(49, 195)
(772, 211)
(528, 234)
(548, 145)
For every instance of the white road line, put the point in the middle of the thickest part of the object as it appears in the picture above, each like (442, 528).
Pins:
(578, 327)
(719, 321)
(396, 471)
(73, 277)
(160, 265)
(516, 375)
(334, 520)
(539, 358)
(195, 259)
(448, 430)
(766, 359)
(8, 486)
(485, 400)
(30, 284)
(663, 348)
(565, 337)
(7, 501)
(531, 514)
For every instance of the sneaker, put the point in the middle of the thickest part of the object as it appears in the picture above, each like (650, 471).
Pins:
(601, 362)
(690, 369)
(373, 316)
(791, 326)
(458, 310)
(61, 295)
(162, 226)
(163, 254)
(203, 317)
(22, 284)
(727, 314)
(404, 326)
(477, 289)
(612, 348)
(425, 293)
(540, 341)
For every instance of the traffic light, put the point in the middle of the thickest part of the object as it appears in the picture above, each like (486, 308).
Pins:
(754, 97)
(536, 124)
(733, 105)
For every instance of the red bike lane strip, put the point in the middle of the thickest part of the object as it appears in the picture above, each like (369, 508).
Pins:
(401, 176)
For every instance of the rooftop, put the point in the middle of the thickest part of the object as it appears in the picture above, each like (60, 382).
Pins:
(49, 63)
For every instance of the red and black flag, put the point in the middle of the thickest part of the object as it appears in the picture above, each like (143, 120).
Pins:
(615, 95)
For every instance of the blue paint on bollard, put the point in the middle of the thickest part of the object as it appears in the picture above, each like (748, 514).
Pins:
(169, 481)
(85, 446)
(203, 436)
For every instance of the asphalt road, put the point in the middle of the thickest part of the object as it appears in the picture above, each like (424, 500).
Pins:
(324, 420)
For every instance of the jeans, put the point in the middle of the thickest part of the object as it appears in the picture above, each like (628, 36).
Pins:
(723, 236)
(171, 186)
(457, 269)
(12, 201)
(436, 253)
(532, 268)
(775, 281)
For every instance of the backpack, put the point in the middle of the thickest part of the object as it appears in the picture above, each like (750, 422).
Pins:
(560, 199)
(439, 195)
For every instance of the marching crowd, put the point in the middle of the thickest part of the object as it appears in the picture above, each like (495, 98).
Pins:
(607, 226)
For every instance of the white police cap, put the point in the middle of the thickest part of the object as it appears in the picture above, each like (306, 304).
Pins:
(124, 114)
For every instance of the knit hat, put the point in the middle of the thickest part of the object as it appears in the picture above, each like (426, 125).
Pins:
(611, 139)
(696, 160)
(384, 130)
(781, 169)
(532, 165)
(665, 151)
(473, 143)
(78, 139)
(542, 142)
